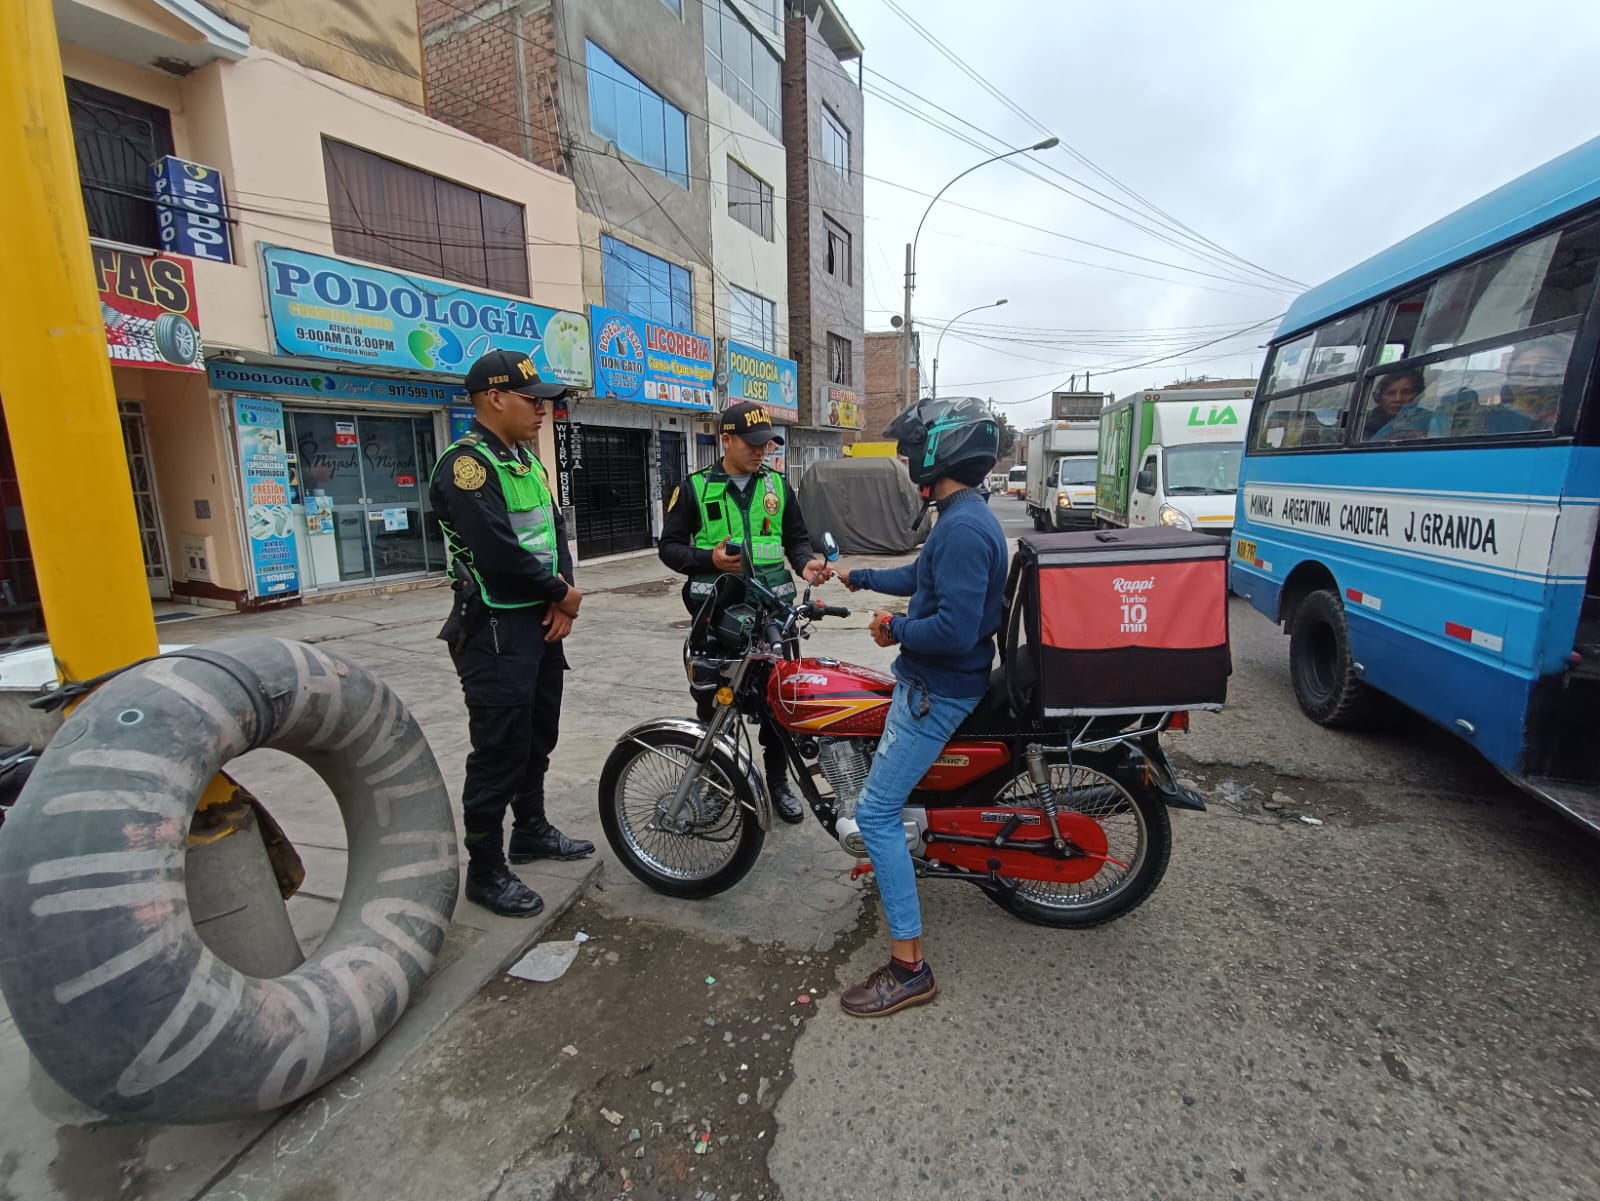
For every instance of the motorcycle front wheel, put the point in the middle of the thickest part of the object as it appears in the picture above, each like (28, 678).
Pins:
(722, 839)
(1138, 836)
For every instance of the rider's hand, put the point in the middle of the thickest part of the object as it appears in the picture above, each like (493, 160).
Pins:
(569, 603)
(816, 571)
(843, 576)
(723, 559)
(880, 628)
(558, 623)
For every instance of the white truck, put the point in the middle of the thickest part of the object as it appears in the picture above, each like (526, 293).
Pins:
(1172, 458)
(1061, 474)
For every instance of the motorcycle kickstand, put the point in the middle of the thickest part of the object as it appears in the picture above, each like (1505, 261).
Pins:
(1039, 773)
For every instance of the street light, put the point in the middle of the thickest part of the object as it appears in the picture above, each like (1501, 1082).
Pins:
(978, 308)
(911, 256)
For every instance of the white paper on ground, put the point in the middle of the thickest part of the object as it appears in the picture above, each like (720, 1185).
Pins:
(546, 962)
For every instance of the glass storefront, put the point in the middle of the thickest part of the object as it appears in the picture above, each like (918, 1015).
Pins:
(360, 484)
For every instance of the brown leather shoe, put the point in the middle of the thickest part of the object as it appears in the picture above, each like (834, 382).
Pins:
(882, 993)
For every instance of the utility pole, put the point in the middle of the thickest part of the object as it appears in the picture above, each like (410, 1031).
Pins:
(905, 338)
(55, 372)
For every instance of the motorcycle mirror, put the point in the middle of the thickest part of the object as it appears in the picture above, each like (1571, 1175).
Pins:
(830, 547)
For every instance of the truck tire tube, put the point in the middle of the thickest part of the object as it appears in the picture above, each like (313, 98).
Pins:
(109, 984)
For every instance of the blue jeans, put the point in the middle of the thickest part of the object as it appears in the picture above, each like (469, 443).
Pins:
(912, 740)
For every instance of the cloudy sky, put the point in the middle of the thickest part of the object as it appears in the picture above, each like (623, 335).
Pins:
(1301, 138)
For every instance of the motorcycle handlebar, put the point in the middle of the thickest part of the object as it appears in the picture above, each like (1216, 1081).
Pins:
(835, 611)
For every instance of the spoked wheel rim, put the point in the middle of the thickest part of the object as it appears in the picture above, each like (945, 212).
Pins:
(646, 786)
(1112, 808)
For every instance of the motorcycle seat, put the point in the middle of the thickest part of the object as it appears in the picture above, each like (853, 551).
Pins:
(994, 711)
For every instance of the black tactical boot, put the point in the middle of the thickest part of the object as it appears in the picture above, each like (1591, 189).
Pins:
(549, 843)
(499, 891)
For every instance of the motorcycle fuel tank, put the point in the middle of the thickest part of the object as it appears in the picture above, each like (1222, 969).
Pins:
(825, 696)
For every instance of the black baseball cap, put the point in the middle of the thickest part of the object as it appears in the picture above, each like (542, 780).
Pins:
(508, 371)
(751, 422)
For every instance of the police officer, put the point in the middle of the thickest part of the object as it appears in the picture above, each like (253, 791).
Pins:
(515, 603)
(740, 500)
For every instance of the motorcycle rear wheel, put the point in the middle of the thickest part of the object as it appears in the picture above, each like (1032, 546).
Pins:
(719, 849)
(1138, 833)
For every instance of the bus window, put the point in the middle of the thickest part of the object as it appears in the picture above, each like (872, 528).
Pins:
(1300, 413)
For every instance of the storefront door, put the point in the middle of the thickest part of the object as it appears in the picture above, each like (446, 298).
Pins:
(612, 491)
(364, 491)
(136, 442)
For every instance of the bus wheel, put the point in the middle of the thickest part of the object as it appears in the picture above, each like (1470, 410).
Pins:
(1325, 681)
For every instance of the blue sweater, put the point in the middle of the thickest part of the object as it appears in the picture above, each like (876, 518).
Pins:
(956, 585)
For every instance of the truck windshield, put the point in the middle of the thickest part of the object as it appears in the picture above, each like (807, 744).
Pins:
(1210, 469)
(1079, 471)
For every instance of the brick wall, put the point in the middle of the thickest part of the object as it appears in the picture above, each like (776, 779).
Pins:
(881, 387)
(797, 187)
(491, 71)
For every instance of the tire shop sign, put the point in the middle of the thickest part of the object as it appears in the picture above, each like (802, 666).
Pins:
(148, 305)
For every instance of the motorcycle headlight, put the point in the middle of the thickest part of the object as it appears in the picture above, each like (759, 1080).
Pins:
(1176, 518)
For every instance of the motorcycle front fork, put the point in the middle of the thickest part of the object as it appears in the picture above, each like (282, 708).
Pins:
(678, 813)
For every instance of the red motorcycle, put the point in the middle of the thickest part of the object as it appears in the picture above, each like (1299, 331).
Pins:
(1059, 822)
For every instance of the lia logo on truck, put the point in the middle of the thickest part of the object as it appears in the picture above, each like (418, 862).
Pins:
(1214, 415)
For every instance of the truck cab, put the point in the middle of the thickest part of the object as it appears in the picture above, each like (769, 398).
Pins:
(1173, 460)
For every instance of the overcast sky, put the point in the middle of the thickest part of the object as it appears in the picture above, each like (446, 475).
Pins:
(1300, 137)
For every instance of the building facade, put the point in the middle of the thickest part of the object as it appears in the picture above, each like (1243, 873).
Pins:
(881, 394)
(295, 271)
(823, 135)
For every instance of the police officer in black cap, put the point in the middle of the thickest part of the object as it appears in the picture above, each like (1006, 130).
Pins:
(515, 603)
(743, 501)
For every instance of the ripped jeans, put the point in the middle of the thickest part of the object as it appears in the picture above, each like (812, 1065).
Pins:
(914, 735)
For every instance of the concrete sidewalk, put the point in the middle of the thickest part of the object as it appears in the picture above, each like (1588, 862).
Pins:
(393, 635)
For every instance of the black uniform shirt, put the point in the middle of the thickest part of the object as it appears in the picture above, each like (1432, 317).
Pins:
(682, 523)
(479, 519)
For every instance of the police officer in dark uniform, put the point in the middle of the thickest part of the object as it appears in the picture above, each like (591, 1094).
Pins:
(740, 500)
(515, 603)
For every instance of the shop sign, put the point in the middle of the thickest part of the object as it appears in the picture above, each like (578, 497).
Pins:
(328, 385)
(763, 378)
(328, 308)
(147, 302)
(839, 408)
(264, 469)
(192, 212)
(638, 360)
(569, 460)
(461, 419)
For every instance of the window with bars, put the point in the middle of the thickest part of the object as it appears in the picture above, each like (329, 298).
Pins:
(625, 110)
(390, 213)
(749, 200)
(838, 260)
(117, 140)
(841, 359)
(635, 281)
(835, 143)
(752, 319)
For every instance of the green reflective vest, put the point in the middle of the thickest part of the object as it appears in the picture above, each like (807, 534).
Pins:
(760, 528)
(529, 506)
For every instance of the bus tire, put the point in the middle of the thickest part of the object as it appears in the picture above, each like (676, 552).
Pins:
(1320, 664)
(109, 983)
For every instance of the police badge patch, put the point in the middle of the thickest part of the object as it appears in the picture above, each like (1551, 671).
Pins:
(771, 504)
(469, 474)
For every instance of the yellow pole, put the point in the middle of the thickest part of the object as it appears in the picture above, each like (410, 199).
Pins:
(55, 371)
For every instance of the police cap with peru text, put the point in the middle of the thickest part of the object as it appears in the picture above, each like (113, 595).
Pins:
(509, 371)
(751, 422)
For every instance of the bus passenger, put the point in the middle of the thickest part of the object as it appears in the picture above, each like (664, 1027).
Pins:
(1533, 381)
(1396, 391)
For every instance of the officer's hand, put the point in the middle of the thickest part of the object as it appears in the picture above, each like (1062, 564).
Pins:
(723, 559)
(880, 628)
(569, 603)
(816, 571)
(558, 625)
(843, 574)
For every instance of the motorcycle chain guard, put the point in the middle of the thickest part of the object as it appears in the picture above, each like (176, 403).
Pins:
(1027, 853)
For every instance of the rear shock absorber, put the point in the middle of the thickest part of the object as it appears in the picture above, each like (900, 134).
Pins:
(1039, 773)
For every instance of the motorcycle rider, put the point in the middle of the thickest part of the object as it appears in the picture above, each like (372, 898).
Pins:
(741, 500)
(947, 648)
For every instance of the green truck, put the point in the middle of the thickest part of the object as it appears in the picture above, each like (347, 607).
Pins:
(1171, 458)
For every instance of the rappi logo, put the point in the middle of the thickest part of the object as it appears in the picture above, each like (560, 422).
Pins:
(621, 355)
(1134, 597)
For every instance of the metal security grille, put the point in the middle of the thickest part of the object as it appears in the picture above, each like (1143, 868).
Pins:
(117, 138)
(136, 441)
(612, 491)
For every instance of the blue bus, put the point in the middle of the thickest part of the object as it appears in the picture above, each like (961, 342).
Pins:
(1418, 497)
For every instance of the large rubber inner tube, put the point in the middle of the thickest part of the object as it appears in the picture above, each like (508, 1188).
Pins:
(109, 984)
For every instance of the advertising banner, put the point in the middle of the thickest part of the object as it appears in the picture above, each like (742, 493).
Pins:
(148, 305)
(328, 385)
(638, 360)
(328, 308)
(192, 212)
(764, 378)
(839, 408)
(264, 469)
(569, 460)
